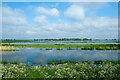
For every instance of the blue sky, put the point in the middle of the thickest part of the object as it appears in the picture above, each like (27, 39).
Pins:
(28, 20)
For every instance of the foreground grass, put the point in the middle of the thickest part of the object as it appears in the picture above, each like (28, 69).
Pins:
(86, 70)
(69, 46)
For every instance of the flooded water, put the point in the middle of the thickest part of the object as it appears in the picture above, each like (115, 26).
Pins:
(71, 42)
(35, 56)
(60, 43)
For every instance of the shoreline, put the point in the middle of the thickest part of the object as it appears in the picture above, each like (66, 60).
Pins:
(7, 48)
(68, 46)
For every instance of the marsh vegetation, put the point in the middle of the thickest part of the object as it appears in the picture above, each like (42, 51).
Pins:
(68, 46)
(7, 48)
(56, 68)
(64, 69)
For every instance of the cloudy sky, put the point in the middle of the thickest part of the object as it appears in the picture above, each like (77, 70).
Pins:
(28, 20)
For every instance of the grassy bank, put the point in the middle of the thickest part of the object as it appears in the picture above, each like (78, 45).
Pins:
(7, 48)
(85, 70)
(69, 46)
(56, 62)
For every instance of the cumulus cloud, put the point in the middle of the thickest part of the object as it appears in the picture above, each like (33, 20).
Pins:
(41, 19)
(75, 12)
(50, 12)
(87, 25)
(80, 26)
(13, 16)
(97, 27)
(101, 23)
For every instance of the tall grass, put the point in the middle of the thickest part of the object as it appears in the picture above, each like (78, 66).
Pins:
(7, 48)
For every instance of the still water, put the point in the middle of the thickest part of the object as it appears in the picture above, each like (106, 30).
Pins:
(35, 56)
(71, 42)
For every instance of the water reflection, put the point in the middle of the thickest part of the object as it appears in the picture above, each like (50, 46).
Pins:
(36, 56)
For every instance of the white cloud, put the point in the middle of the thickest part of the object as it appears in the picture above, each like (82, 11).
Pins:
(13, 16)
(81, 26)
(97, 27)
(101, 22)
(50, 12)
(41, 19)
(89, 23)
(75, 12)
(30, 32)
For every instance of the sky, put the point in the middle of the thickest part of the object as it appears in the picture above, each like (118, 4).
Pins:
(60, 1)
(31, 20)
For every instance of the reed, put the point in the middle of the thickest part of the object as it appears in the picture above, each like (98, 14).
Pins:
(7, 48)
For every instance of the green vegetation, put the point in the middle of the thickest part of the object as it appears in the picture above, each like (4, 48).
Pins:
(65, 39)
(14, 40)
(56, 62)
(5, 62)
(61, 39)
(6, 42)
(68, 69)
(68, 46)
(60, 68)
